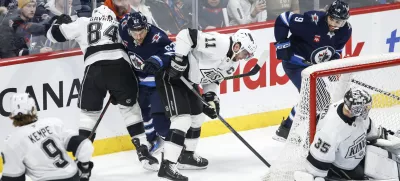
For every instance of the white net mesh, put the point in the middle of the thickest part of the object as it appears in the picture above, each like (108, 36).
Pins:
(374, 74)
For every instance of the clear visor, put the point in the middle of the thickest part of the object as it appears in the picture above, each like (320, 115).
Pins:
(336, 22)
(244, 55)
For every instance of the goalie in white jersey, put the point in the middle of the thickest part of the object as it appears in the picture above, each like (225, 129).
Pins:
(344, 146)
(202, 58)
(107, 69)
(38, 147)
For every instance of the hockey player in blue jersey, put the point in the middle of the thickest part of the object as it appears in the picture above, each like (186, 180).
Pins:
(149, 49)
(317, 37)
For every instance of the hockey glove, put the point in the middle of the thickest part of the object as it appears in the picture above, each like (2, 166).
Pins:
(152, 65)
(63, 19)
(213, 100)
(85, 170)
(283, 49)
(387, 140)
(178, 66)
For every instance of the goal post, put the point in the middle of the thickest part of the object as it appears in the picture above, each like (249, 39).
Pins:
(326, 83)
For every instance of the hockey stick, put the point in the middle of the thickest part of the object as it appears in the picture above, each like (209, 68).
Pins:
(225, 123)
(100, 117)
(375, 89)
(263, 58)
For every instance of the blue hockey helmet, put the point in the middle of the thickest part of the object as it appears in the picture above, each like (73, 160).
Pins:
(137, 21)
(339, 10)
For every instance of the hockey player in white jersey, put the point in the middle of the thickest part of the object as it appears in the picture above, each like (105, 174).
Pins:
(38, 147)
(204, 59)
(342, 148)
(107, 69)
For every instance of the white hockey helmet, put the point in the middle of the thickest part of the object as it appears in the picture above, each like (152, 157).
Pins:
(104, 11)
(358, 102)
(22, 104)
(245, 38)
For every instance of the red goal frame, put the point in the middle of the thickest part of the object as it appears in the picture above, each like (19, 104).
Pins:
(335, 71)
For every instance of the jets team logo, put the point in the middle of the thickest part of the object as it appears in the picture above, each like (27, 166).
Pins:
(156, 38)
(322, 54)
(315, 18)
(357, 150)
(210, 75)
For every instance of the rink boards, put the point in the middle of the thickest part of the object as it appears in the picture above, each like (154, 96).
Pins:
(247, 103)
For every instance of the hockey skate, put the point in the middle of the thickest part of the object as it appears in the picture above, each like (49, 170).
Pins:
(168, 171)
(148, 162)
(157, 145)
(282, 132)
(191, 161)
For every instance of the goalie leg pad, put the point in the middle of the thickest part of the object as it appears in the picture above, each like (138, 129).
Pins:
(379, 164)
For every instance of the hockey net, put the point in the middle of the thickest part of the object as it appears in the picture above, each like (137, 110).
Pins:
(326, 83)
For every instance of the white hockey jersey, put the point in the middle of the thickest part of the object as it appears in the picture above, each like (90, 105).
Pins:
(97, 37)
(207, 54)
(39, 150)
(339, 141)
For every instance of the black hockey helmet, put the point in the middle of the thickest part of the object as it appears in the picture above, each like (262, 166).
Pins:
(137, 21)
(358, 102)
(339, 10)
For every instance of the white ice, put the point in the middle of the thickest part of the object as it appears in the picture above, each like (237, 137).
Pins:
(229, 160)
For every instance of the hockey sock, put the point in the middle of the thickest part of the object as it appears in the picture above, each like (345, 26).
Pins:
(173, 145)
(289, 120)
(161, 124)
(192, 138)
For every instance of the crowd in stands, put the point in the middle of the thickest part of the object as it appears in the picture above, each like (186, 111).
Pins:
(23, 22)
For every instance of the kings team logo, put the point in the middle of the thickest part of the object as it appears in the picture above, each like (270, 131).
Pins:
(357, 150)
(322, 54)
(210, 75)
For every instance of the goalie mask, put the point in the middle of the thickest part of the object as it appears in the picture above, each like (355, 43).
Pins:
(22, 104)
(358, 102)
(248, 47)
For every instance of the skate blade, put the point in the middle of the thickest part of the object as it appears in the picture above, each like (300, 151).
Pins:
(189, 167)
(278, 138)
(154, 167)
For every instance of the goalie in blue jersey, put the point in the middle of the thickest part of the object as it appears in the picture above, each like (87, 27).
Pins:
(317, 37)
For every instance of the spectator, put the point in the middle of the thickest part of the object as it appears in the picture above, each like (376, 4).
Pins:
(182, 13)
(210, 14)
(246, 11)
(139, 5)
(29, 31)
(277, 7)
(163, 15)
(120, 7)
(7, 49)
(3, 11)
(352, 3)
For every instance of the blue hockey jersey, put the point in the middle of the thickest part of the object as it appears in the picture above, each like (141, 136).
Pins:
(156, 44)
(311, 40)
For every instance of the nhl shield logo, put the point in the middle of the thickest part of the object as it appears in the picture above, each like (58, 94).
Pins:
(322, 54)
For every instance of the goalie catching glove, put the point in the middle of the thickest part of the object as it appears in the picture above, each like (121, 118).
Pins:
(85, 170)
(213, 101)
(388, 141)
